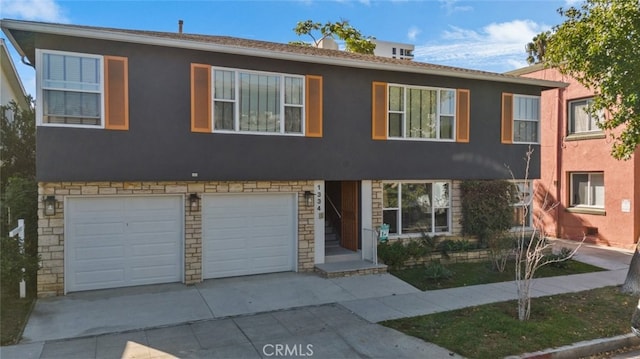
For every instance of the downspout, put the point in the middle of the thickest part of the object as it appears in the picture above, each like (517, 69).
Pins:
(559, 147)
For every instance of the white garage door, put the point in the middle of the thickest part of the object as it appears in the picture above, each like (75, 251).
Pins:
(248, 234)
(122, 241)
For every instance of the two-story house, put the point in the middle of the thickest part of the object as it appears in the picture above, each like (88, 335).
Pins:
(172, 157)
(589, 194)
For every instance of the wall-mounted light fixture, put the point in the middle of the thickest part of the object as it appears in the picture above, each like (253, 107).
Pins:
(308, 197)
(194, 201)
(50, 205)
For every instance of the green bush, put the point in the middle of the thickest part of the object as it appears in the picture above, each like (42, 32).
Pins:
(435, 270)
(559, 260)
(487, 207)
(11, 264)
(394, 255)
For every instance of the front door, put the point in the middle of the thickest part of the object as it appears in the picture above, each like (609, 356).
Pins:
(349, 230)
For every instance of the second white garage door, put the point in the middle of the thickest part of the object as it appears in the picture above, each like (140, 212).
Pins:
(246, 234)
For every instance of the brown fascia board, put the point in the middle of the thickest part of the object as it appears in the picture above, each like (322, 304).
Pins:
(265, 49)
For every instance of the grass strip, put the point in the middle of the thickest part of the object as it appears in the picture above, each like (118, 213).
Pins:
(493, 330)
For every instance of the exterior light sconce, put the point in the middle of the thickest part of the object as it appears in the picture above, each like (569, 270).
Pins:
(50, 205)
(194, 201)
(308, 197)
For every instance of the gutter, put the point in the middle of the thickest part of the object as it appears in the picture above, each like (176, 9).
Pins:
(111, 35)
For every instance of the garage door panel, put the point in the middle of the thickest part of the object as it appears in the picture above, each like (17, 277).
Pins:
(112, 277)
(89, 253)
(248, 234)
(122, 241)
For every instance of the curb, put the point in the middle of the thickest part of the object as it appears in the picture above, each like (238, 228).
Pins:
(583, 349)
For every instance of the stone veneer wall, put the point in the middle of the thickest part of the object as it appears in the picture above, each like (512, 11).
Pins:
(51, 228)
(456, 207)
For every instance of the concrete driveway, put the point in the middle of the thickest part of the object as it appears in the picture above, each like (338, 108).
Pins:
(124, 309)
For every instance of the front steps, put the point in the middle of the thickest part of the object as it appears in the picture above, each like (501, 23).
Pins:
(349, 268)
(342, 262)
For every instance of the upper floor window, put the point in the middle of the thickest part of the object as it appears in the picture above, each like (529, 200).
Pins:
(580, 119)
(72, 87)
(526, 119)
(587, 189)
(82, 90)
(416, 207)
(421, 112)
(257, 102)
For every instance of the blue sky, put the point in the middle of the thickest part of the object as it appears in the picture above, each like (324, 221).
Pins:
(483, 34)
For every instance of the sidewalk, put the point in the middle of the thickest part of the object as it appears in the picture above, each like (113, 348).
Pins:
(250, 316)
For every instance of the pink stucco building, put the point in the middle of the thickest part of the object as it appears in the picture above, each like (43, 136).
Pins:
(594, 194)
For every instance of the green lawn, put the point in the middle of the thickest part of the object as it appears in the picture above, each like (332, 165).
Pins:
(493, 331)
(465, 274)
(13, 315)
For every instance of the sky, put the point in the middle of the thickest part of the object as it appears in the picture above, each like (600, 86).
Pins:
(484, 35)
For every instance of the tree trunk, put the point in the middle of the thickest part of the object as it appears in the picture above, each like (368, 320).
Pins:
(632, 283)
(635, 320)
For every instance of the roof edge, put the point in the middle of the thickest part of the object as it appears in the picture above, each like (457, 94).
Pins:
(113, 35)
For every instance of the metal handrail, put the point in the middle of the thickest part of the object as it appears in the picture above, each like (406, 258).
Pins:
(334, 207)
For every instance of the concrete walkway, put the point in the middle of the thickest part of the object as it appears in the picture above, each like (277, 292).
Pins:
(257, 315)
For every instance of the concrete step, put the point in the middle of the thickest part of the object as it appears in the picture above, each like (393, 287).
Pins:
(349, 268)
(339, 254)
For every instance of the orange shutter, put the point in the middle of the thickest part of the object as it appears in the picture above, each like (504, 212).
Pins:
(313, 114)
(507, 118)
(379, 111)
(201, 100)
(462, 115)
(116, 93)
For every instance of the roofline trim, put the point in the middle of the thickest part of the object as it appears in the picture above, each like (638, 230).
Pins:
(101, 34)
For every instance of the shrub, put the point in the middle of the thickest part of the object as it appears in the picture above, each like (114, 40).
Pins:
(394, 255)
(435, 270)
(559, 260)
(486, 207)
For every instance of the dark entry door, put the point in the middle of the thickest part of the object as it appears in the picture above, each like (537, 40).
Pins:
(349, 230)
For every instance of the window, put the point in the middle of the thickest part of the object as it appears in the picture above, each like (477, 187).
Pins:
(526, 117)
(580, 120)
(522, 207)
(417, 207)
(421, 113)
(256, 102)
(72, 87)
(587, 189)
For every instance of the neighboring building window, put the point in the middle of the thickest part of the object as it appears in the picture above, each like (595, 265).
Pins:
(421, 112)
(522, 207)
(72, 88)
(393, 50)
(257, 102)
(416, 207)
(526, 118)
(587, 189)
(580, 120)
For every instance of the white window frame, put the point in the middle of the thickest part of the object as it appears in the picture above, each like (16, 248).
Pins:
(572, 203)
(40, 89)
(524, 201)
(236, 102)
(399, 208)
(571, 118)
(405, 90)
(516, 120)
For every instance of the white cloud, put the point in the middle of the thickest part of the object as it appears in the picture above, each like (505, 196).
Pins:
(572, 2)
(39, 10)
(495, 47)
(413, 33)
(451, 7)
